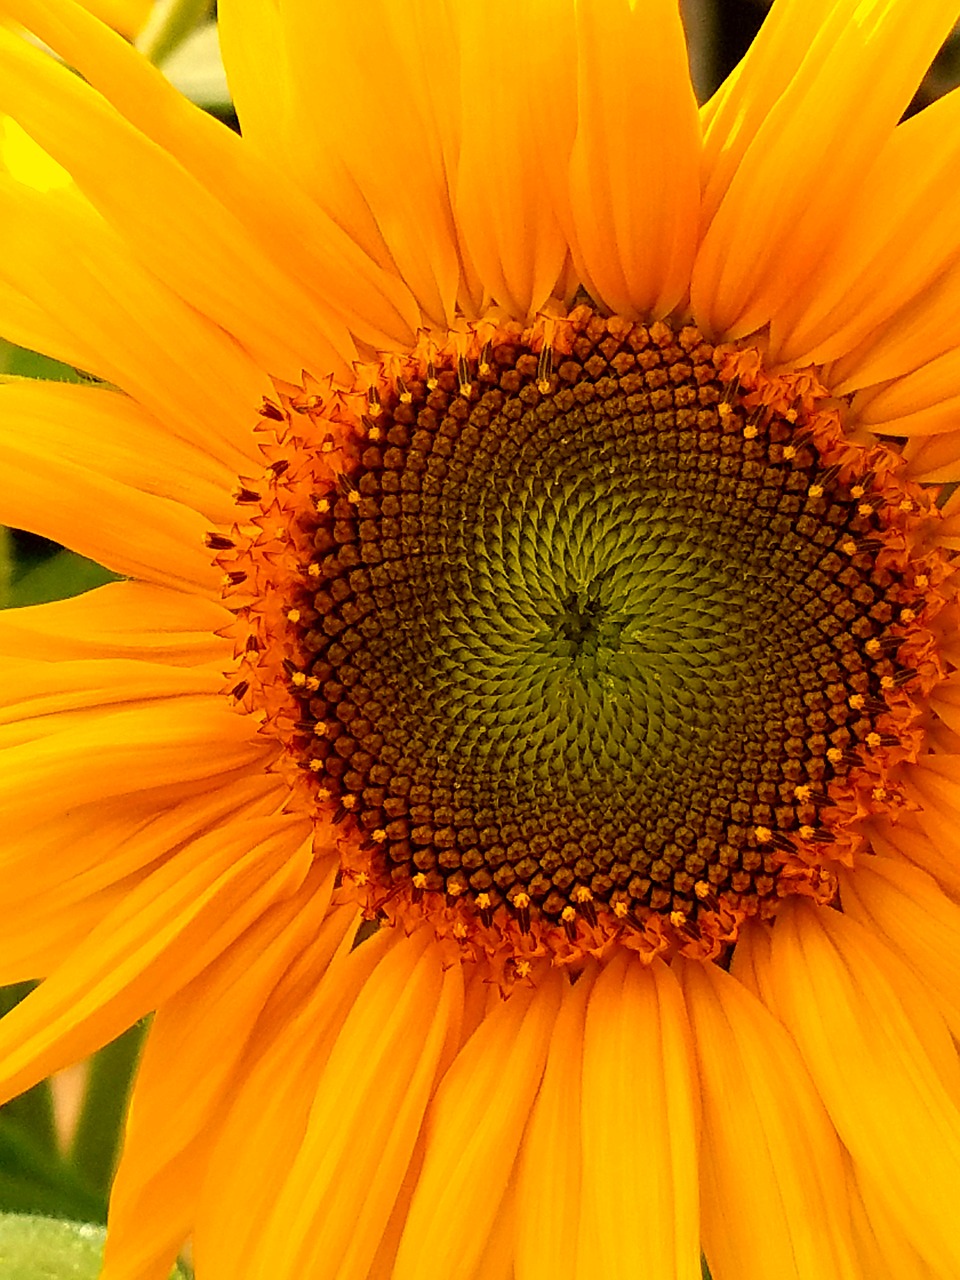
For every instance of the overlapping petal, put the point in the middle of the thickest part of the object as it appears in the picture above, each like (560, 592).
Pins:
(893, 1092)
(473, 1133)
(164, 932)
(770, 1153)
(633, 175)
(781, 196)
(209, 1029)
(639, 1216)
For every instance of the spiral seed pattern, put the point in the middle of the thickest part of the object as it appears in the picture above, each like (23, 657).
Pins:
(591, 636)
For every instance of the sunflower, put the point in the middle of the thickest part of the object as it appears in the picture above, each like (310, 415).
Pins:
(519, 767)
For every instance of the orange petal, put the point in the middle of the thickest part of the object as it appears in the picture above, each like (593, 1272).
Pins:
(106, 848)
(164, 932)
(474, 1129)
(885, 1252)
(100, 430)
(934, 459)
(900, 238)
(120, 527)
(634, 171)
(549, 1168)
(907, 839)
(751, 961)
(787, 198)
(921, 403)
(42, 698)
(270, 1110)
(640, 1200)
(120, 620)
(371, 1095)
(199, 1045)
(934, 781)
(124, 751)
(733, 115)
(907, 909)
(509, 227)
(770, 1154)
(884, 1063)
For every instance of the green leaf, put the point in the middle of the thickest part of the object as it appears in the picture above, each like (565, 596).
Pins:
(30, 364)
(58, 576)
(33, 1248)
(45, 1249)
(96, 1143)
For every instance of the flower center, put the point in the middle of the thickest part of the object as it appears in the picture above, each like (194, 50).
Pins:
(595, 631)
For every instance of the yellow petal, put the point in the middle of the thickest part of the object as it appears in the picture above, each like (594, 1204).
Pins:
(345, 287)
(164, 932)
(269, 1113)
(906, 908)
(549, 1171)
(199, 1045)
(634, 171)
(507, 222)
(186, 237)
(788, 197)
(351, 71)
(100, 430)
(126, 327)
(770, 1154)
(26, 324)
(255, 59)
(119, 620)
(474, 1129)
(371, 1096)
(900, 237)
(640, 1200)
(884, 1064)
(126, 16)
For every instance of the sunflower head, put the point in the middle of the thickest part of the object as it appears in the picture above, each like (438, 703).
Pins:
(584, 634)
(520, 766)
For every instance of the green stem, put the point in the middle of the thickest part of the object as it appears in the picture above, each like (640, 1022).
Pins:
(169, 25)
(96, 1143)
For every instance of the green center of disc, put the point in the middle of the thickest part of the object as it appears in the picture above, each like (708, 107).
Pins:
(584, 640)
